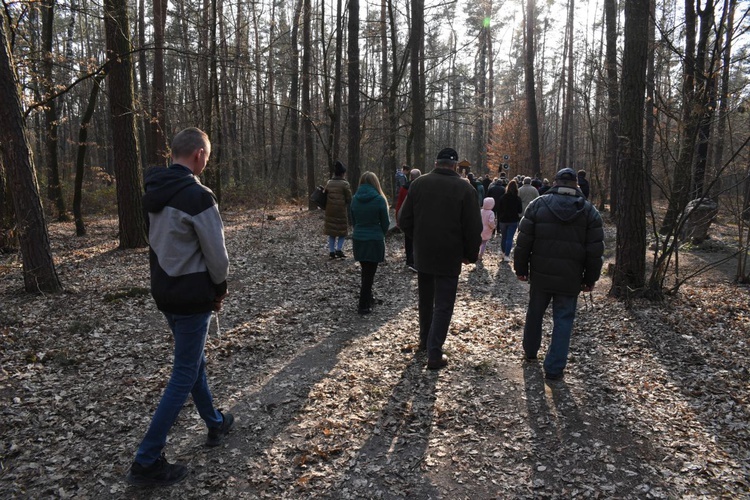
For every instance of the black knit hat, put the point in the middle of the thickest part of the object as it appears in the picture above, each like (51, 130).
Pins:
(339, 168)
(448, 154)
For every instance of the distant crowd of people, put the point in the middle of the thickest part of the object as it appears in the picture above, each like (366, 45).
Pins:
(447, 222)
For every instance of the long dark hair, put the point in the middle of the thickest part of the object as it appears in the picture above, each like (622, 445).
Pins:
(512, 188)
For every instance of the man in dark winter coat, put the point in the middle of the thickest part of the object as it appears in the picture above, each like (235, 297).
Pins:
(583, 183)
(189, 266)
(559, 251)
(440, 214)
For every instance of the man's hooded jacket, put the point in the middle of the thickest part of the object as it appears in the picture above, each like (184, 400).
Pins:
(188, 257)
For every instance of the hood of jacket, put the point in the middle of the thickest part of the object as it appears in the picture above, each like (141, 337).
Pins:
(162, 184)
(366, 193)
(565, 203)
(488, 204)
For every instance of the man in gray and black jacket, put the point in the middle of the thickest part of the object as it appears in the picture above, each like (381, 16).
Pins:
(189, 267)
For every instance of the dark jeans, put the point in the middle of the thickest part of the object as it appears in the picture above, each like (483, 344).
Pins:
(507, 231)
(563, 314)
(437, 296)
(409, 247)
(188, 378)
(368, 278)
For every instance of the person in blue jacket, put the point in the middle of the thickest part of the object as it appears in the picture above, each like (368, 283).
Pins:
(370, 219)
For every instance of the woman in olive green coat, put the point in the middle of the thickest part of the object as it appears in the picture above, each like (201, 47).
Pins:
(338, 197)
(370, 219)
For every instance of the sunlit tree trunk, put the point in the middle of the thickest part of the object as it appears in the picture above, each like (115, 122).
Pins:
(630, 253)
(531, 113)
(127, 166)
(39, 274)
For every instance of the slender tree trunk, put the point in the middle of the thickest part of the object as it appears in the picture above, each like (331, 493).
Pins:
(128, 172)
(39, 274)
(293, 103)
(418, 126)
(306, 107)
(531, 114)
(353, 157)
(706, 84)
(613, 104)
(337, 83)
(83, 134)
(680, 189)
(651, 109)
(724, 93)
(54, 185)
(567, 113)
(158, 154)
(630, 253)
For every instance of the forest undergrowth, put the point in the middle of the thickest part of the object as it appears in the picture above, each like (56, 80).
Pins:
(655, 403)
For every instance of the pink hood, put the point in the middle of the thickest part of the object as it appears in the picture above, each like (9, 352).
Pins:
(488, 218)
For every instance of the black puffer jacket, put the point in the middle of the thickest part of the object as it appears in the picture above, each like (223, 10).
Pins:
(560, 241)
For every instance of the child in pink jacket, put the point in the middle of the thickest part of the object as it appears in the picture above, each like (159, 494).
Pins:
(488, 223)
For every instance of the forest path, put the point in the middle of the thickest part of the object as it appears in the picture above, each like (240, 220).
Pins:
(331, 404)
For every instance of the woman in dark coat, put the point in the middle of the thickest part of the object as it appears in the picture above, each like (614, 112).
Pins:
(370, 218)
(509, 212)
(339, 195)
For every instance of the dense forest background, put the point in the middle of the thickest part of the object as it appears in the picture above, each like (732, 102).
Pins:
(649, 97)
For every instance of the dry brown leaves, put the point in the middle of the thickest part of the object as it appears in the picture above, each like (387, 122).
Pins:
(329, 404)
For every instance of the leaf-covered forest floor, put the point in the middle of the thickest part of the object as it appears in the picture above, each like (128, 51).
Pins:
(655, 403)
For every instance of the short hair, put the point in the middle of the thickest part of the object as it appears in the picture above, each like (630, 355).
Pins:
(527, 180)
(446, 163)
(406, 167)
(414, 173)
(189, 140)
(581, 173)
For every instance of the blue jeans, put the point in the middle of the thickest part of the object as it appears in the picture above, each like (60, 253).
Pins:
(507, 231)
(437, 296)
(335, 243)
(188, 377)
(563, 314)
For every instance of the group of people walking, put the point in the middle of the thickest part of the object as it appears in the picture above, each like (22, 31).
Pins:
(559, 252)
(559, 245)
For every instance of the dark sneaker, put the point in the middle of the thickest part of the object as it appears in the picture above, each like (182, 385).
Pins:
(529, 358)
(159, 473)
(436, 364)
(216, 435)
(364, 310)
(553, 376)
(340, 254)
(332, 255)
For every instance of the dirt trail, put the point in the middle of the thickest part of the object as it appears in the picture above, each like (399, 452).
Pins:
(330, 404)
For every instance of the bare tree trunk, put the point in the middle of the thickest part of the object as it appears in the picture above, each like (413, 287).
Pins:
(531, 114)
(306, 107)
(83, 134)
(613, 105)
(417, 88)
(567, 112)
(128, 172)
(680, 189)
(630, 253)
(353, 157)
(158, 154)
(337, 85)
(724, 93)
(54, 187)
(706, 94)
(39, 274)
(651, 109)
(293, 103)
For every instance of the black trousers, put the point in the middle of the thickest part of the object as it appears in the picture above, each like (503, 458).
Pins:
(437, 296)
(368, 277)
